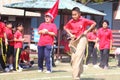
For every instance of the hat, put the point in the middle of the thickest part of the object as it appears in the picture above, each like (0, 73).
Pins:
(53, 11)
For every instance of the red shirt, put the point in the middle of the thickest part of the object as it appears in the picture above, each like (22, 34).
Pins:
(24, 56)
(18, 35)
(46, 39)
(105, 36)
(92, 36)
(10, 36)
(65, 44)
(2, 29)
(77, 27)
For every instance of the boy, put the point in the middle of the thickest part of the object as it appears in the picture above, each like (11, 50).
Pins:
(10, 49)
(18, 43)
(25, 58)
(76, 28)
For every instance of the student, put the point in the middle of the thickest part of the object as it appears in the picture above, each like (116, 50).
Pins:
(25, 58)
(3, 38)
(105, 43)
(10, 48)
(18, 43)
(76, 28)
(92, 47)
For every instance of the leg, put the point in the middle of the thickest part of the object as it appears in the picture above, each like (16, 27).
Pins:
(94, 56)
(77, 58)
(48, 58)
(40, 57)
(101, 59)
(106, 57)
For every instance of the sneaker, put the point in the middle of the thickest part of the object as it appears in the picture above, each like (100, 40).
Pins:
(11, 67)
(96, 66)
(19, 70)
(7, 70)
(40, 71)
(48, 72)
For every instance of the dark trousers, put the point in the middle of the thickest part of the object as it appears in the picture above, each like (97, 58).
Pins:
(44, 52)
(17, 57)
(91, 52)
(104, 58)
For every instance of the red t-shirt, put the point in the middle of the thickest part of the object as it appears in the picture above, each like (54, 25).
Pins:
(10, 36)
(65, 44)
(105, 36)
(46, 39)
(18, 35)
(24, 56)
(91, 36)
(77, 27)
(2, 29)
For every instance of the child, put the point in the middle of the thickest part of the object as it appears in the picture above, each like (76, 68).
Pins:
(18, 39)
(76, 28)
(3, 37)
(25, 58)
(10, 48)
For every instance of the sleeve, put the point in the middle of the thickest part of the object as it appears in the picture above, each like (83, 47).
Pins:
(55, 29)
(21, 56)
(40, 27)
(88, 22)
(16, 35)
(68, 25)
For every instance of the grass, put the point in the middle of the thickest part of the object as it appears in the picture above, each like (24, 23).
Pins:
(63, 71)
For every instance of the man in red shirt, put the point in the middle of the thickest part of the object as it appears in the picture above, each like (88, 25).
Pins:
(47, 31)
(3, 39)
(76, 27)
(92, 47)
(18, 43)
(10, 49)
(105, 43)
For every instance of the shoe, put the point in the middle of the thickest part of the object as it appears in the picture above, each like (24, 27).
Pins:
(106, 67)
(7, 70)
(20, 70)
(48, 72)
(11, 67)
(40, 71)
(96, 66)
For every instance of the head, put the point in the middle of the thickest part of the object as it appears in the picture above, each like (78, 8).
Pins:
(76, 13)
(48, 18)
(27, 48)
(105, 24)
(20, 27)
(94, 30)
(9, 25)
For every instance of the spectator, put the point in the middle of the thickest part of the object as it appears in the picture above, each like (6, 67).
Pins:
(105, 44)
(25, 58)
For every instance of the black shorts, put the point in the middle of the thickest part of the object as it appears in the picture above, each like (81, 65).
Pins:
(10, 51)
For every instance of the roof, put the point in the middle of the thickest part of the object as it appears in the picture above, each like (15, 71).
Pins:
(64, 5)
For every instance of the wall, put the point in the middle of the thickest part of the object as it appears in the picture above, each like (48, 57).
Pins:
(106, 8)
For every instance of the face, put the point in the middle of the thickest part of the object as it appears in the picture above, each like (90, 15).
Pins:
(48, 19)
(27, 50)
(20, 28)
(105, 25)
(9, 25)
(75, 15)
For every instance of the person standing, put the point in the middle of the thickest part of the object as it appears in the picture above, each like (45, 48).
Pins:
(10, 47)
(18, 44)
(47, 31)
(3, 38)
(105, 43)
(76, 28)
(92, 47)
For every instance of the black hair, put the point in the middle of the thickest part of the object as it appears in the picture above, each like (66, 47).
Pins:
(26, 47)
(7, 23)
(19, 24)
(105, 21)
(76, 9)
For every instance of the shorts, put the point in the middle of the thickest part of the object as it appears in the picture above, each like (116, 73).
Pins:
(10, 51)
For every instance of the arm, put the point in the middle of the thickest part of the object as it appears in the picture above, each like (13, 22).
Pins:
(15, 39)
(68, 31)
(6, 40)
(90, 28)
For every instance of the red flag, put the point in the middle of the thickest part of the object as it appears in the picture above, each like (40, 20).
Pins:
(54, 10)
